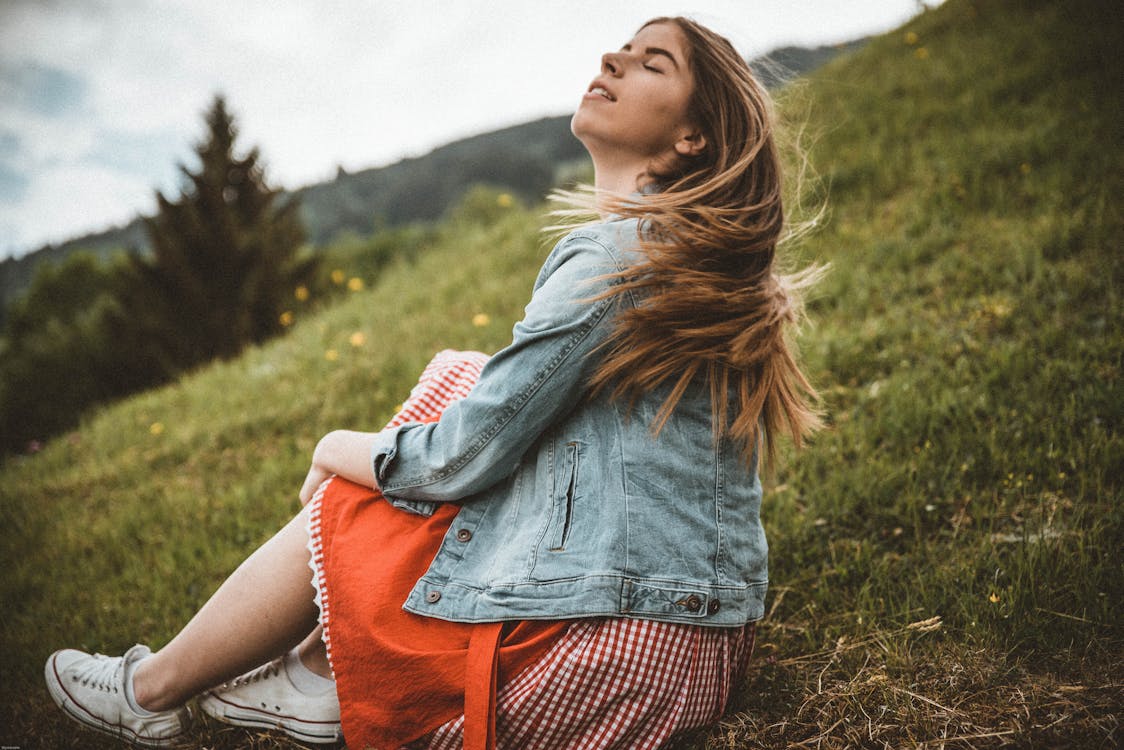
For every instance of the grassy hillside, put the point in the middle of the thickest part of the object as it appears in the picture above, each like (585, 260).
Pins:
(946, 558)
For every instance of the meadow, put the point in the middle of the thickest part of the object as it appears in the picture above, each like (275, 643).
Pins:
(945, 559)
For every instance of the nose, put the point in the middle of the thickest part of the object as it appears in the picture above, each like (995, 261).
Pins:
(611, 63)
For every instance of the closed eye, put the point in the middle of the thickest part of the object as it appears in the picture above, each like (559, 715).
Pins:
(654, 51)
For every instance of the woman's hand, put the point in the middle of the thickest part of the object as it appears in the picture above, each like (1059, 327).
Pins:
(343, 453)
(315, 478)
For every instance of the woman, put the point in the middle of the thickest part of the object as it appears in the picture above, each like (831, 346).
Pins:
(579, 528)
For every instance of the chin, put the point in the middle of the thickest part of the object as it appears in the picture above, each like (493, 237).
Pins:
(581, 133)
(578, 125)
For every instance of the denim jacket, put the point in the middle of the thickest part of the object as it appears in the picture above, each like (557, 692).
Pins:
(570, 506)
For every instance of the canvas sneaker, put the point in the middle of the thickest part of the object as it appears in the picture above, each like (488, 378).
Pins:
(91, 689)
(266, 698)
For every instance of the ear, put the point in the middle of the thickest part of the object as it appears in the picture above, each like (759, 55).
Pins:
(692, 143)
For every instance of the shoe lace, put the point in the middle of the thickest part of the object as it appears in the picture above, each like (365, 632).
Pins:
(264, 672)
(102, 672)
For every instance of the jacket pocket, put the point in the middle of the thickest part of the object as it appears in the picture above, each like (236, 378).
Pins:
(564, 494)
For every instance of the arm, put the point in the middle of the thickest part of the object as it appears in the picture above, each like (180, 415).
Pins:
(522, 391)
(344, 453)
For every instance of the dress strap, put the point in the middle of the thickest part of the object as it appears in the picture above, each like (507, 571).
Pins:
(480, 686)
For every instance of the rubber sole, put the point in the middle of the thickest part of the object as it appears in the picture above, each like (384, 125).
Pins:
(315, 732)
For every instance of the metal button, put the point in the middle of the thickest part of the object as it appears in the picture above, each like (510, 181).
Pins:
(463, 535)
(693, 603)
(713, 606)
(433, 597)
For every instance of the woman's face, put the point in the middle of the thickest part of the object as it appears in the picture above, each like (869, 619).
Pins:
(637, 108)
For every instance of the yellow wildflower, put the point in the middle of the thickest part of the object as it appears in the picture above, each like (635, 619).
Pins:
(156, 428)
(921, 53)
(481, 319)
(338, 277)
(286, 319)
(301, 293)
(994, 598)
(331, 355)
(355, 284)
(504, 200)
(357, 339)
(911, 38)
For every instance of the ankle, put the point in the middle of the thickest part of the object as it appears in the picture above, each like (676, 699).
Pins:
(316, 661)
(151, 689)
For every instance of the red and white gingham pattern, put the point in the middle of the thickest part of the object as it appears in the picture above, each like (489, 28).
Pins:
(615, 683)
(449, 376)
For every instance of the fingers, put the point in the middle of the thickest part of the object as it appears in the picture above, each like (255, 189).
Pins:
(312, 482)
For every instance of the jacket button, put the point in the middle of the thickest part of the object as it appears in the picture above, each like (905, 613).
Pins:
(463, 535)
(693, 603)
(433, 597)
(713, 606)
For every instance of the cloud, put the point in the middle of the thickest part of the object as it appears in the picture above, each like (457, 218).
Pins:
(13, 184)
(76, 199)
(150, 156)
(41, 89)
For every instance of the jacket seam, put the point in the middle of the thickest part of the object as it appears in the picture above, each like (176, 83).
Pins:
(599, 309)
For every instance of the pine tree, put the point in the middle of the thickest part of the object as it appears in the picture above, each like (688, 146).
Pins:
(225, 260)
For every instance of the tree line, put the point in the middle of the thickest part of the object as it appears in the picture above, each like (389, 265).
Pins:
(224, 259)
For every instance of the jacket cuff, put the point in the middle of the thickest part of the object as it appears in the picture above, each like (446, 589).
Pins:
(383, 451)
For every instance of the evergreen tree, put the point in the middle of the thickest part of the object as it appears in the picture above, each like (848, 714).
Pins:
(225, 260)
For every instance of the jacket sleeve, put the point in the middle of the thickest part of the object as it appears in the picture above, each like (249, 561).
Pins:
(522, 390)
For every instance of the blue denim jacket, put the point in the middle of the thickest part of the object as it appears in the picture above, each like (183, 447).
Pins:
(570, 507)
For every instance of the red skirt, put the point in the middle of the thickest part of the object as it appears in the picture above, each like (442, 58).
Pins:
(404, 679)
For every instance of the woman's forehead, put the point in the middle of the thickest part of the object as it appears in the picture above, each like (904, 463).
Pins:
(661, 35)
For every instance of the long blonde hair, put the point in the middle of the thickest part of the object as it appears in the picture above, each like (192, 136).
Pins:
(714, 305)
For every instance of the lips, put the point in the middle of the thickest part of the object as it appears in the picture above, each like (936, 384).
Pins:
(598, 88)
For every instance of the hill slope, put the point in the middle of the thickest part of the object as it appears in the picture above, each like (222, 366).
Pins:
(945, 559)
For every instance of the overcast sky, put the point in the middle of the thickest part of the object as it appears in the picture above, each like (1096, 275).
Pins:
(101, 99)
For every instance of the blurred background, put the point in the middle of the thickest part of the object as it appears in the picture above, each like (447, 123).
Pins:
(99, 100)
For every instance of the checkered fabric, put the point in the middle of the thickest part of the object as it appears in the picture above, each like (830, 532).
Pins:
(615, 683)
(449, 376)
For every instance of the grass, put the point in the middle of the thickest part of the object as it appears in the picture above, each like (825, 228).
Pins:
(946, 557)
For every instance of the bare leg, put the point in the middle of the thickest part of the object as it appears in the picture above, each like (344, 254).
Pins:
(261, 611)
(313, 654)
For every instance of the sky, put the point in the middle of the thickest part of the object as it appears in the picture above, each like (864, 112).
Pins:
(101, 100)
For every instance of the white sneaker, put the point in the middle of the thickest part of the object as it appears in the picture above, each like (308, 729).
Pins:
(91, 689)
(266, 698)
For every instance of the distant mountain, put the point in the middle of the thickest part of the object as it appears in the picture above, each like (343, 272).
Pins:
(786, 63)
(526, 159)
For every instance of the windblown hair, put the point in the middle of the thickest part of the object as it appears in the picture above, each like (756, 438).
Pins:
(713, 304)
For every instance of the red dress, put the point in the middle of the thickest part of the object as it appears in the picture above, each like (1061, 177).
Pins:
(404, 678)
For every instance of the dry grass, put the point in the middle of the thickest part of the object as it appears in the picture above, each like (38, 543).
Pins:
(914, 687)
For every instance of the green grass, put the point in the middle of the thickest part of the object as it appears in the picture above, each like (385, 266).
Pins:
(945, 558)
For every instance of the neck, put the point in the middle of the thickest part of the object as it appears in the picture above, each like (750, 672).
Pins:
(621, 176)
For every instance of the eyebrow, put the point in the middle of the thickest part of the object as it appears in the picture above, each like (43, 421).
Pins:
(654, 51)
